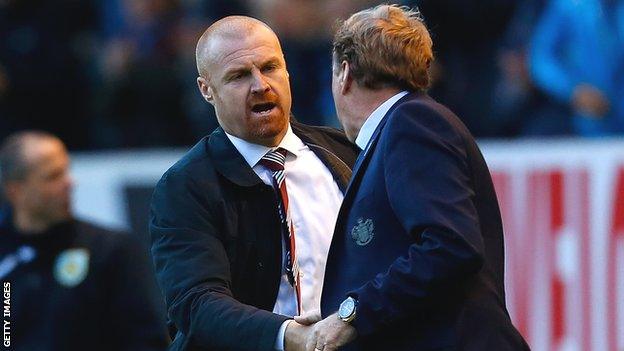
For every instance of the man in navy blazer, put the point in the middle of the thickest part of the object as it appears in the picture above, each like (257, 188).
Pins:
(416, 261)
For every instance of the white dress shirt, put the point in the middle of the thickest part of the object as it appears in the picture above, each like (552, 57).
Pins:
(314, 200)
(371, 123)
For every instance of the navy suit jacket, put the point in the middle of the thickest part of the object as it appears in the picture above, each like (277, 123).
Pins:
(419, 239)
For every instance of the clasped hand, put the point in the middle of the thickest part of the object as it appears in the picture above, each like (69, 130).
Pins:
(308, 332)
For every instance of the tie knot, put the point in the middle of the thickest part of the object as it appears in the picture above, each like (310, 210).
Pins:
(274, 159)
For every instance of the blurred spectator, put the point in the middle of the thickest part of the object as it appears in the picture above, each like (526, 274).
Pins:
(74, 286)
(518, 107)
(45, 50)
(139, 102)
(467, 35)
(577, 58)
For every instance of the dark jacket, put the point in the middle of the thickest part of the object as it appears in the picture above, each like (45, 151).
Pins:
(216, 241)
(419, 240)
(79, 287)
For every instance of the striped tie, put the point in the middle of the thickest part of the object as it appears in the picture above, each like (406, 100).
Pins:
(274, 161)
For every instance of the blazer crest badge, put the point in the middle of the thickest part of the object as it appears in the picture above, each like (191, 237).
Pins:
(363, 231)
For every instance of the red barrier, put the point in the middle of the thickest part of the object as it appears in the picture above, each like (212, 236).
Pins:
(564, 273)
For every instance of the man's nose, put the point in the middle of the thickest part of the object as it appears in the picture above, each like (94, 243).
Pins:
(259, 83)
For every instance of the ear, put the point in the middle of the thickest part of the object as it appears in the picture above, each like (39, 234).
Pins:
(205, 89)
(345, 78)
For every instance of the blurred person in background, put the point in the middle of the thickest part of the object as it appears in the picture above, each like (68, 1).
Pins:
(242, 223)
(467, 35)
(518, 107)
(139, 98)
(417, 261)
(74, 286)
(577, 59)
(46, 52)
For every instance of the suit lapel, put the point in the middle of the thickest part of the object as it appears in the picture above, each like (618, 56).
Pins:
(356, 178)
(361, 164)
(364, 156)
(229, 162)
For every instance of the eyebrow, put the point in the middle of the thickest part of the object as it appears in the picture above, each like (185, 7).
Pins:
(234, 71)
(273, 60)
(245, 70)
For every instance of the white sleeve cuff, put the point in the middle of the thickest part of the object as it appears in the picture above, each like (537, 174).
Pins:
(279, 341)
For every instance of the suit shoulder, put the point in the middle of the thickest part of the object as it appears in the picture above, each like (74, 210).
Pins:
(316, 131)
(426, 123)
(194, 159)
(427, 115)
(191, 184)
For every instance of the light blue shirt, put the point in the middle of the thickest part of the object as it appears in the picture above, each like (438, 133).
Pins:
(579, 42)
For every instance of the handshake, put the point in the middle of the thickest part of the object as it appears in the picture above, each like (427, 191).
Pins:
(309, 333)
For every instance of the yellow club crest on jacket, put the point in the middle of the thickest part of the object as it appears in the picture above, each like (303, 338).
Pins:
(71, 267)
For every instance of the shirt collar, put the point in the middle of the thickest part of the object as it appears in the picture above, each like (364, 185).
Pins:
(371, 123)
(253, 153)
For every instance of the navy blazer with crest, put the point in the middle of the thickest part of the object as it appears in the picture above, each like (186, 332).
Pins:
(419, 239)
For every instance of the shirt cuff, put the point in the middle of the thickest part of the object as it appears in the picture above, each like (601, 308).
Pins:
(279, 341)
